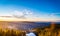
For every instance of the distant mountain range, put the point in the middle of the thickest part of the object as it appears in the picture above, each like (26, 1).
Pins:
(24, 25)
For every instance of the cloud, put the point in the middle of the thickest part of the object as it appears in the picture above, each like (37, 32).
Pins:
(55, 14)
(5, 15)
(29, 15)
(25, 13)
(22, 14)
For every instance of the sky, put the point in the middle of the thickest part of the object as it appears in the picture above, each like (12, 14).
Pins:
(29, 10)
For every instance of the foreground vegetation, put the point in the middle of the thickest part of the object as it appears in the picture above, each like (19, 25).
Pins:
(12, 32)
(51, 30)
(37, 31)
